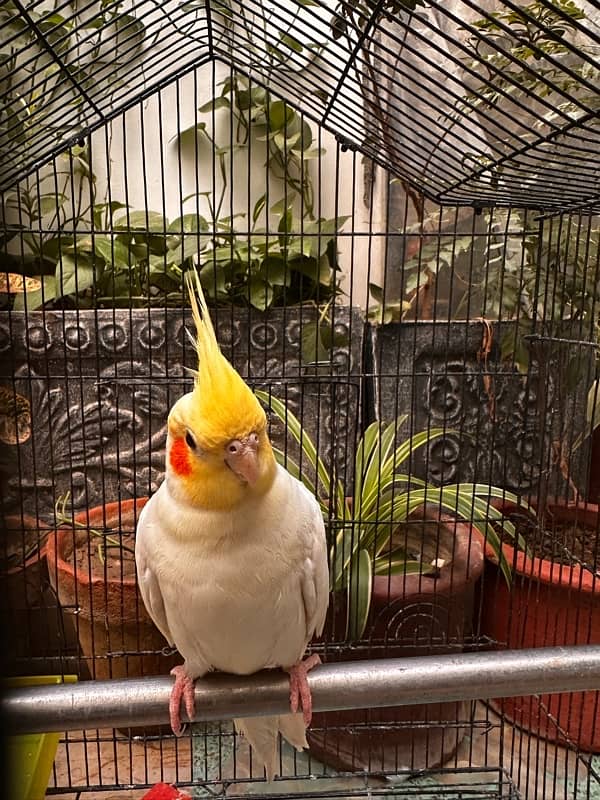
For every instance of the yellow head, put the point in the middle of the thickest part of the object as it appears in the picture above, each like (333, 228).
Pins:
(217, 448)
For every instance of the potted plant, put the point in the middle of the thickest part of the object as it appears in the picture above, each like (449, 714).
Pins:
(27, 606)
(499, 363)
(404, 561)
(91, 561)
(91, 564)
(109, 280)
(553, 599)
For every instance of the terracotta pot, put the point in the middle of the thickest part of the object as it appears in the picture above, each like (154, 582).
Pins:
(23, 583)
(117, 637)
(548, 604)
(411, 615)
(29, 611)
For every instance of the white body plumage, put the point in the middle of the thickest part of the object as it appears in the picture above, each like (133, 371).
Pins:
(237, 590)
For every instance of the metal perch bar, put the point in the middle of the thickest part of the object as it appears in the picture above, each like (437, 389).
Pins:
(360, 684)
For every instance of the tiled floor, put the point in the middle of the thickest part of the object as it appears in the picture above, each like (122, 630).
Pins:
(538, 769)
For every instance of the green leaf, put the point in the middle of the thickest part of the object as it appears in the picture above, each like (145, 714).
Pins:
(311, 345)
(260, 293)
(275, 271)
(113, 252)
(73, 276)
(258, 207)
(384, 565)
(359, 595)
(215, 104)
(592, 412)
(309, 450)
(49, 204)
(279, 115)
(291, 42)
(189, 223)
(36, 298)
(101, 208)
(320, 232)
(142, 221)
(285, 223)
(376, 292)
(187, 138)
(213, 279)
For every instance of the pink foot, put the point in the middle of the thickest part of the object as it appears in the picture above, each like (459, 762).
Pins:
(183, 687)
(300, 696)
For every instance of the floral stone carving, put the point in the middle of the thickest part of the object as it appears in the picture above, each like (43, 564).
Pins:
(100, 384)
(502, 425)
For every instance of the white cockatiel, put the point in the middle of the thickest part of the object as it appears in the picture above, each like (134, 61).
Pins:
(230, 551)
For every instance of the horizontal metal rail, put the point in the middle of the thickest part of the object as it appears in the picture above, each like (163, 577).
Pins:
(358, 684)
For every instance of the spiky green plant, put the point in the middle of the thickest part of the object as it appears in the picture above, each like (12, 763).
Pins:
(384, 498)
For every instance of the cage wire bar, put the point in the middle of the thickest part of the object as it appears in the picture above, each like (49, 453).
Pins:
(392, 211)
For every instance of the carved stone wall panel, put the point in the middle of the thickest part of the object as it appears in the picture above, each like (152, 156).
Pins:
(100, 384)
(501, 426)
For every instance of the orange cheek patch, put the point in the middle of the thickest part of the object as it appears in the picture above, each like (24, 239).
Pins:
(179, 458)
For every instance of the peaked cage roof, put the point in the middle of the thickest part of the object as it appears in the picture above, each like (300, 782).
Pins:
(483, 103)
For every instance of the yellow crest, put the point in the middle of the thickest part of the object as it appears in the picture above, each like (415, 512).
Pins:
(225, 407)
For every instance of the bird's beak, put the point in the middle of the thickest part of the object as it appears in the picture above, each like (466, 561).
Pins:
(245, 462)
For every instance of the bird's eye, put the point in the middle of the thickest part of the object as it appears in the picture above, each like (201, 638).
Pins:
(190, 441)
(253, 438)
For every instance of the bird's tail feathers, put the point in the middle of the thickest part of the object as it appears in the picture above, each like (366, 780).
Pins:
(262, 732)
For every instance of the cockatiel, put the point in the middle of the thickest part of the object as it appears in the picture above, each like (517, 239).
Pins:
(230, 551)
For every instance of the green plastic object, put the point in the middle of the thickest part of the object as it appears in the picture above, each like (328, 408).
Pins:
(30, 756)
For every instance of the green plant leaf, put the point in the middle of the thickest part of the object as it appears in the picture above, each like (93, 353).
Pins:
(142, 221)
(49, 204)
(592, 412)
(258, 207)
(359, 595)
(291, 42)
(34, 300)
(215, 103)
(309, 450)
(275, 271)
(396, 566)
(376, 292)
(113, 252)
(279, 115)
(189, 223)
(73, 275)
(311, 344)
(260, 293)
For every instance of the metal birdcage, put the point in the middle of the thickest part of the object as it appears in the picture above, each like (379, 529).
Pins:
(471, 103)
(393, 209)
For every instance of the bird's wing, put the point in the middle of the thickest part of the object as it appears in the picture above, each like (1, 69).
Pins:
(148, 583)
(315, 574)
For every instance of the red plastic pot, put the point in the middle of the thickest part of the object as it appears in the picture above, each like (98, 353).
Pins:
(548, 604)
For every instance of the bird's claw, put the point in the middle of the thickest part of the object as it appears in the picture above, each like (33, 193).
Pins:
(182, 688)
(300, 696)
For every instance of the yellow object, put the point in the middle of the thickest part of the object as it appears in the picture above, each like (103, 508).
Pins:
(30, 756)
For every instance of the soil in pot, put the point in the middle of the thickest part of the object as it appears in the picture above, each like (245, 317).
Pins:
(412, 615)
(93, 569)
(554, 600)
